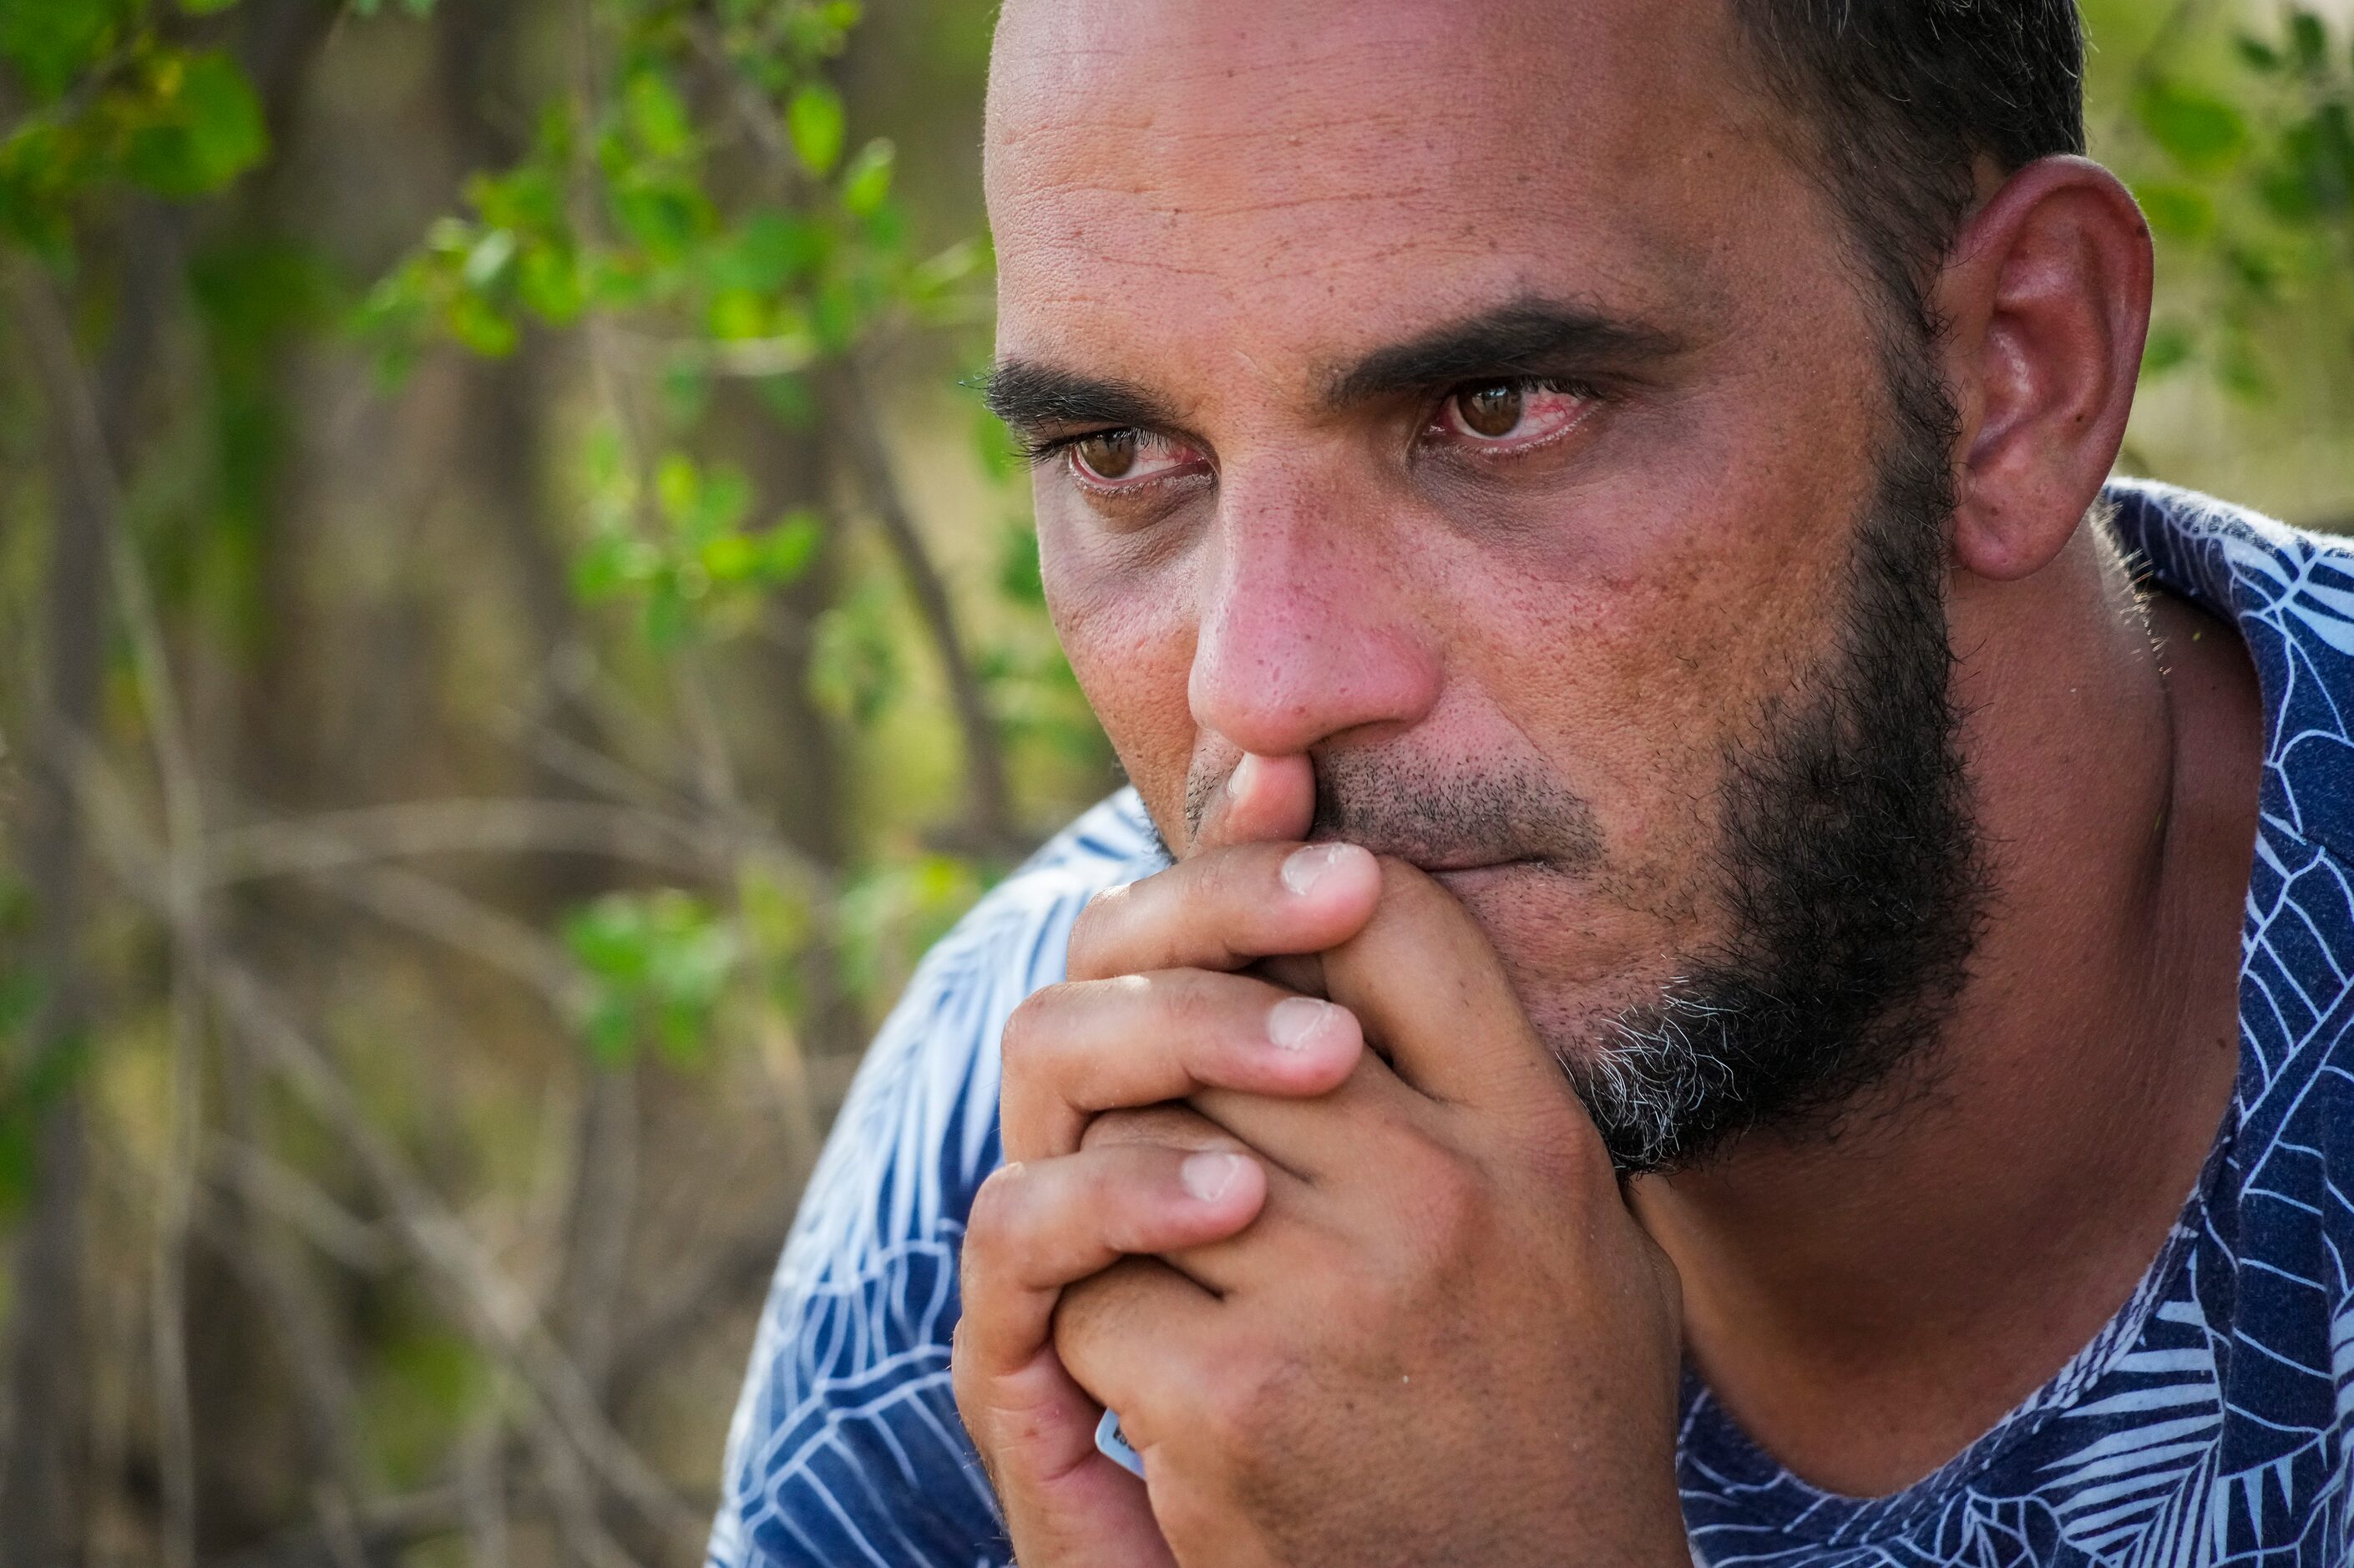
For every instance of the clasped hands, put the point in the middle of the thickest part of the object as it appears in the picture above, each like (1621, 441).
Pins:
(1355, 1305)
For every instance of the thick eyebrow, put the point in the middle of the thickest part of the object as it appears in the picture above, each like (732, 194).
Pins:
(1031, 395)
(1523, 337)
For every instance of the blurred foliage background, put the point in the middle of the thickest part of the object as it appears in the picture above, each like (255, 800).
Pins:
(516, 638)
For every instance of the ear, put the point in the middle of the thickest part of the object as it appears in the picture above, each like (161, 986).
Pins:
(2046, 304)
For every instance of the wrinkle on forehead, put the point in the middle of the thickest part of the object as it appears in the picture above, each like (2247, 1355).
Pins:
(1168, 178)
(1255, 79)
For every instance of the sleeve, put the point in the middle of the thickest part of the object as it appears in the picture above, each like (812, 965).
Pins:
(846, 1447)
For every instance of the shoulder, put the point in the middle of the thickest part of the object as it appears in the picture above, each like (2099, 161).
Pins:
(846, 1445)
(919, 1126)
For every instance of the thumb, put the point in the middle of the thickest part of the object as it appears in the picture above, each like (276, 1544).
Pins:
(1434, 999)
(1265, 800)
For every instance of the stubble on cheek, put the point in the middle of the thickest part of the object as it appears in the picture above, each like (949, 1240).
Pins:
(1131, 654)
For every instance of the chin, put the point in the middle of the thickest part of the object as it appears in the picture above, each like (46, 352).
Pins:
(1576, 958)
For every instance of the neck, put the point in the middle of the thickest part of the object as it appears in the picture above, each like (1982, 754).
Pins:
(1866, 1304)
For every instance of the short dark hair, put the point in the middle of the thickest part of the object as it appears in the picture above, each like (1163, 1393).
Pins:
(1899, 100)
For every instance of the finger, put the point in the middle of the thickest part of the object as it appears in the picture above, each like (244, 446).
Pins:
(1298, 1228)
(1433, 996)
(1036, 1227)
(1169, 1126)
(1263, 799)
(1180, 1126)
(1073, 1050)
(1135, 1336)
(1035, 1432)
(1225, 908)
(1304, 1143)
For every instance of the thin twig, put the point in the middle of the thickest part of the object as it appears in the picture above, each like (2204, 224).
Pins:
(293, 1199)
(440, 913)
(988, 801)
(499, 1312)
(334, 840)
(572, 1426)
(66, 387)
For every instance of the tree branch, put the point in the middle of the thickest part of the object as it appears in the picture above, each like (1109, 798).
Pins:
(988, 800)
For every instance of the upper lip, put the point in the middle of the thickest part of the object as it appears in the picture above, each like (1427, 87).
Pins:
(1439, 865)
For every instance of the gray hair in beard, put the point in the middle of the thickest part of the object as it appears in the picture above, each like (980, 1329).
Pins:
(1850, 858)
(1847, 856)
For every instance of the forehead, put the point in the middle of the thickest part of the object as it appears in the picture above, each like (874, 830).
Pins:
(1279, 183)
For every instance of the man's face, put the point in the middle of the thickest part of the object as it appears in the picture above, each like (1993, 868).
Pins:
(1475, 398)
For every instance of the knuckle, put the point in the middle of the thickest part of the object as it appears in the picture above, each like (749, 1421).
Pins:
(1190, 1005)
(1023, 1037)
(993, 1220)
(964, 1378)
(1091, 930)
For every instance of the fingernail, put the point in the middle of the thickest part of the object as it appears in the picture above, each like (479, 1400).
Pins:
(1207, 1176)
(1292, 1022)
(1239, 780)
(1304, 868)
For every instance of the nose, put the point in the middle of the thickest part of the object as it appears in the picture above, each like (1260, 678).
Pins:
(1307, 623)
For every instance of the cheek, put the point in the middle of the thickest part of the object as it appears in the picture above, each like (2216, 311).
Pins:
(1130, 639)
(1637, 664)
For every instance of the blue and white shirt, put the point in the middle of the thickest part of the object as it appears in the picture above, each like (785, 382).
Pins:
(2208, 1424)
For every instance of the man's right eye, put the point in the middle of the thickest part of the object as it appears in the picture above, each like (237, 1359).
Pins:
(1122, 458)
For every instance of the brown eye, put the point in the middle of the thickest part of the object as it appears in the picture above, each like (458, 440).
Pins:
(1493, 410)
(1108, 455)
(1505, 419)
(1128, 461)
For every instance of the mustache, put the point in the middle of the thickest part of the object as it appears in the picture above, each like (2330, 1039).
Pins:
(1442, 818)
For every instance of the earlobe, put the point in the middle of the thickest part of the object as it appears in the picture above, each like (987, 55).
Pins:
(2046, 302)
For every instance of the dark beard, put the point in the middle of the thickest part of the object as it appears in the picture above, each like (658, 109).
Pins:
(1851, 866)
(1848, 863)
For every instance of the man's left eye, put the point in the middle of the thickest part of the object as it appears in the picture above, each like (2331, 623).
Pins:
(1510, 414)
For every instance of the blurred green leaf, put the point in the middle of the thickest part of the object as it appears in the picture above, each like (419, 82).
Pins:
(2170, 348)
(2313, 174)
(1019, 576)
(817, 124)
(854, 660)
(657, 116)
(481, 327)
(2176, 210)
(678, 487)
(2308, 39)
(1002, 456)
(2253, 269)
(2198, 130)
(867, 182)
(548, 282)
(488, 258)
(790, 546)
(770, 249)
(658, 963)
(2241, 370)
(51, 42)
(422, 1380)
(206, 129)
